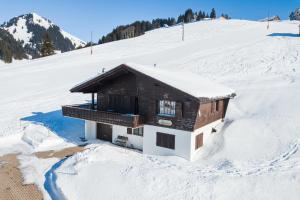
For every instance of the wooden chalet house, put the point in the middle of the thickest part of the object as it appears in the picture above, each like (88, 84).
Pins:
(158, 111)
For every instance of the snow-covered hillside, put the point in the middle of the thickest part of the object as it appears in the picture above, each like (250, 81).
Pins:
(29, 30)
(254, 156)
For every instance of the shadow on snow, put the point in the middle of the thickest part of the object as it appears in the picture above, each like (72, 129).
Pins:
(284, 35)
(69, 129)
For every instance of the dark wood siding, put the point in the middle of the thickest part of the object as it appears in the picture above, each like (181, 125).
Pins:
(139, 94)
(165, 140)
(118, 94)
(151, 91)
(210, 112)
(127, 91)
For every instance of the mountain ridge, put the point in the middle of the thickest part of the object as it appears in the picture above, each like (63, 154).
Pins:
(29, 30)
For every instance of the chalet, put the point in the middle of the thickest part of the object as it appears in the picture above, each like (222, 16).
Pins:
(275, 18)
(158, 111)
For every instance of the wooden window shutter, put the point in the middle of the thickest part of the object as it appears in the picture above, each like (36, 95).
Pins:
(157, 107)
(165, 140)
(198, 141)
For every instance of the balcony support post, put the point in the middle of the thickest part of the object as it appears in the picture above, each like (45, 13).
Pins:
(93, 101)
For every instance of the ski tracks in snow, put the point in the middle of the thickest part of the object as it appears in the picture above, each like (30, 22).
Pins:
(209, 174)
(283, 162)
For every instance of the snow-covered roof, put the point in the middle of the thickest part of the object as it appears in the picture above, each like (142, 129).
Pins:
(183, 80)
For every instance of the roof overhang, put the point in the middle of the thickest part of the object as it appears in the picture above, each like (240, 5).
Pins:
(92, 85)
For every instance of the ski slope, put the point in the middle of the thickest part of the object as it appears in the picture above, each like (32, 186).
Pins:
(254, 155)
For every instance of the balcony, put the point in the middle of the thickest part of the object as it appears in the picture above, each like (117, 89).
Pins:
(86, 112)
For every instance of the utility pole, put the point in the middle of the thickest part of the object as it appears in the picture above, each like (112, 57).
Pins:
(91, 42)
(183, 31)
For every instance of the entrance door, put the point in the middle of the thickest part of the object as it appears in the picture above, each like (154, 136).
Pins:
(104, 132)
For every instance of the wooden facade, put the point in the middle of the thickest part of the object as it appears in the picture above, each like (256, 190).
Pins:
(211, 111)
(130, 98)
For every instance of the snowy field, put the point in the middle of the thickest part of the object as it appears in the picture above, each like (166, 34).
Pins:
(254, 156)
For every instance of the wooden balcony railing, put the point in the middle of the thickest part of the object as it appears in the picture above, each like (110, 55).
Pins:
(86, 112)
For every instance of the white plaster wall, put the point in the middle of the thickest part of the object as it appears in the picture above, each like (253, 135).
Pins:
(134, 141)
(182, 142)
(90, 130)
(206, 130)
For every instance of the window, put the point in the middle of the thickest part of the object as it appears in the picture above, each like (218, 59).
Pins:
(165, 140)
(217, 105)
(198, 141)
(136, 131)
(212, 107)
(167, 107)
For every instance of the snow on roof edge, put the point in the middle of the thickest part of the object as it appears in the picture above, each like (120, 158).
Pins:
(211, 90)
(186, 81)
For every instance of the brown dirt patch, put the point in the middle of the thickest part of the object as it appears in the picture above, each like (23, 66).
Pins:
(11, 180)
(59, 154)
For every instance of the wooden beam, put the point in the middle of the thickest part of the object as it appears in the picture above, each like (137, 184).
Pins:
(93, 100)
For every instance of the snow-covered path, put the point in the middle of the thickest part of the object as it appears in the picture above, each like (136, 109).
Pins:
(50, 183)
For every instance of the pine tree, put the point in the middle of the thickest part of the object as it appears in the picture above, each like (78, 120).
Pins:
(47, 46)
(201, 15)
(5, 53)
(180, 19)
(213, 14)
(188, 15)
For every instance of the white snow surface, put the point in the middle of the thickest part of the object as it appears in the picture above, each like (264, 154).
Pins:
(256, 153)
(41, 138)
(20, 31)
(76, 41)
(43, 22)
(33, 170)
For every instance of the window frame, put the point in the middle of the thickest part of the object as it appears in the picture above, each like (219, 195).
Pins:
(138, 131)
(167, 108)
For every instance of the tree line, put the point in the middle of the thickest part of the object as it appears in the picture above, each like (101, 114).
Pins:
(142, 26)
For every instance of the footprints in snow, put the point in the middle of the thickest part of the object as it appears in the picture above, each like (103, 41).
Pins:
(281, 163)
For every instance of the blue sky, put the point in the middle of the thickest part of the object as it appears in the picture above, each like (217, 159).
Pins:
(80, 17)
